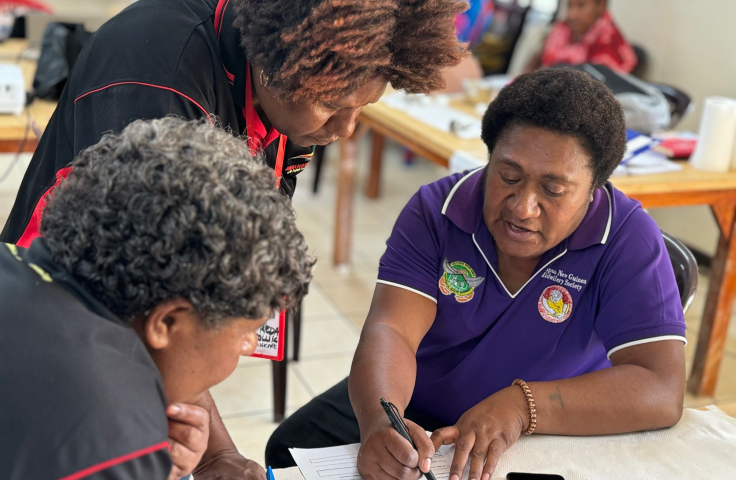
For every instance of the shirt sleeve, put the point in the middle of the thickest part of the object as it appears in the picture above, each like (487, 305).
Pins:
(615, 54)
(112, 107)
(554, 44)
(152, 463)
(412, 258)
(119, 430)
(639, 301)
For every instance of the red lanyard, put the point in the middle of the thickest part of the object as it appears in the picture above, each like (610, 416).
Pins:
(258, 138)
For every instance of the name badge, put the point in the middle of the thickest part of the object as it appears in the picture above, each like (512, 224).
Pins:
(270, 340)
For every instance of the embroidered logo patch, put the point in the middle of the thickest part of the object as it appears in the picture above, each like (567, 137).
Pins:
(555, 304)
(459, 280)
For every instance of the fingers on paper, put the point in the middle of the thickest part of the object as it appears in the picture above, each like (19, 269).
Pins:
(425, 448)
(495, 451)
(444, 436)
(478, 455)
(463, 448)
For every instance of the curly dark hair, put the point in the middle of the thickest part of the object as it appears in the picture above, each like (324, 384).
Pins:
(175, 209)
(566, 101)
(327, 49)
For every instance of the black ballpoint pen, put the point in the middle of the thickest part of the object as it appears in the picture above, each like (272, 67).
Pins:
(398, 423)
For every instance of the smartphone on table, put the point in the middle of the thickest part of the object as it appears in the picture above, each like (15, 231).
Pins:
(532, 476)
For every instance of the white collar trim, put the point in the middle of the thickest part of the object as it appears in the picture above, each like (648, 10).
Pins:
(610, 216)
(499, 278)
(457, 185)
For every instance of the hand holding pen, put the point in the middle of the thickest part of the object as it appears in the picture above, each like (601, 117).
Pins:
(397, 421)
(387, 455)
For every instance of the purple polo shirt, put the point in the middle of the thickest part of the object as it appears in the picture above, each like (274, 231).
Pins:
(609, 285)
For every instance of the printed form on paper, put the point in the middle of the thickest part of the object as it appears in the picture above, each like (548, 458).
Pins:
(340, 463)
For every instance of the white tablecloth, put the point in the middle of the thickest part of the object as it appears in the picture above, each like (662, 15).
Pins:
(701, 446)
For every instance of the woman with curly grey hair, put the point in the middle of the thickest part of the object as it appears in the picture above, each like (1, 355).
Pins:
(162, 254)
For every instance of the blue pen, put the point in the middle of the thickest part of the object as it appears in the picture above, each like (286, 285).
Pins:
(269, 474)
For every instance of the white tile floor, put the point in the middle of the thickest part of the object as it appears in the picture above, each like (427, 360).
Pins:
(335, 309)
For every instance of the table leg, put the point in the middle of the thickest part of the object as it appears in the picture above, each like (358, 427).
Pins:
(344, 210)
(374, 178)
(717, 314)
(297, 325)
(280, 370)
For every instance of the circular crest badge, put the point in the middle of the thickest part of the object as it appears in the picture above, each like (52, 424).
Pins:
(555, 304)
(459, 280)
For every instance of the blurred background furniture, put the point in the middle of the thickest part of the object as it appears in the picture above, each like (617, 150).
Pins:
(685, 267)
(499, 42)
(642, 62)
(317, 161)
(680, 102)
(15, 134)
(280, 369)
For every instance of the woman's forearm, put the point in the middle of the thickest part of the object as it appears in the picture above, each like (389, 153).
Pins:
(624, 398)
(384, 366)
(385, 362)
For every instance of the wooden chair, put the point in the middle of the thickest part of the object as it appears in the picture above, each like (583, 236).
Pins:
(318, 160)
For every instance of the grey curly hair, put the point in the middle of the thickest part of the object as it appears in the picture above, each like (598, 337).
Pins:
(175, 209)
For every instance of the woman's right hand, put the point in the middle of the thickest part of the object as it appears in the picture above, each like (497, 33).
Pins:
(386, 455)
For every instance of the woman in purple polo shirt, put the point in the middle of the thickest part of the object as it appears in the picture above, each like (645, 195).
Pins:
(526, 296)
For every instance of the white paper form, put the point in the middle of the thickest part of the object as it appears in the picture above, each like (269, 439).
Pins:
(341, 463)
(331, 463)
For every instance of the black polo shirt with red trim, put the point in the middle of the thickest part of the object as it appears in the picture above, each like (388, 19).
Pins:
(80, 397)
(154, 59)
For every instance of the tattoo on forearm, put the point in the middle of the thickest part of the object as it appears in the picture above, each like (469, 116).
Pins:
(557, 397)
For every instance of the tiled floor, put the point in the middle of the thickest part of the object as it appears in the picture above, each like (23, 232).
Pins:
(338, 302)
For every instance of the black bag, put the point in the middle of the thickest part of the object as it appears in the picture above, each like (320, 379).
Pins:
(62, 43)
(646, 109)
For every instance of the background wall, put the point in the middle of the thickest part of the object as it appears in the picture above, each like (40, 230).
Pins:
(692, 46)
(91, 13)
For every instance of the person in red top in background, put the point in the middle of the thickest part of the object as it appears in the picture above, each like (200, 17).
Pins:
(588, 35)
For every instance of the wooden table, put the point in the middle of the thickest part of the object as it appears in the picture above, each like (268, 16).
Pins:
(14, 129)
(687, 187)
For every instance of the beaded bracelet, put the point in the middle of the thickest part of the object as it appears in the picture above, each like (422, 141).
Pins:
(530, 402)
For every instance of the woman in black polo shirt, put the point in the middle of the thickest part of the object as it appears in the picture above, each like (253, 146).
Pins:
(289, 74)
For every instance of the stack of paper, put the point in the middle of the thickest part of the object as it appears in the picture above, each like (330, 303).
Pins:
(641, 158)
(435, 112)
